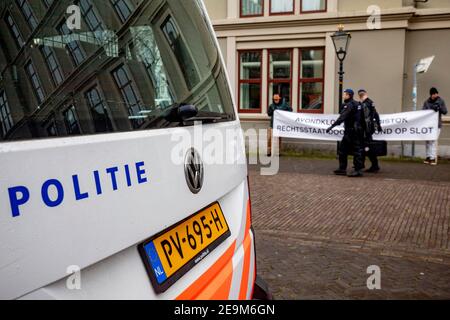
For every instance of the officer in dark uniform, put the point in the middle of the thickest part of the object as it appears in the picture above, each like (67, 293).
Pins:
(353, 141)
(373, 125)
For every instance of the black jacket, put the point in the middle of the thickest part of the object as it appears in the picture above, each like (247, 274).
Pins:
(371, 117)
(282, 106)
(352, 117)
(437, 105)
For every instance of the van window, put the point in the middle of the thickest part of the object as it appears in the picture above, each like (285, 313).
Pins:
(106, 66)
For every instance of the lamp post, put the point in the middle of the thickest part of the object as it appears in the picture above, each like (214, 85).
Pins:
(421, 67)
(341, 41)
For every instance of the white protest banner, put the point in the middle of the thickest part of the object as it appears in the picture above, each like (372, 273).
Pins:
(408, 126)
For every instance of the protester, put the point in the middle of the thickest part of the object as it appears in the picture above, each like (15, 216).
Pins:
(277, 104)
(372, 126)
(353, 119)
(436, 103)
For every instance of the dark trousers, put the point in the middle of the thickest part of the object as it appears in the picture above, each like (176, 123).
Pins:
(373, 159)
(351, 144)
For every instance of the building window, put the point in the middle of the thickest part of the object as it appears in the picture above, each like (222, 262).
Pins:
(129, 94)
(146, 50)
(48, 3)
(252, 8)
(180, 49)
(311, 80)
(14, 30)
(280, 74)
(27, 13)
(90, 16)
(74, 47)
(52, 64)
(124, 8)
(99, 111)
(281, 7)
(71, 121)
(51, 127)
(310, 6)
(250, 81)
(35, 82)
(5, 114)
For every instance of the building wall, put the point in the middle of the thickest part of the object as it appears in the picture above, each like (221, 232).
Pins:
(422, 44)
(431, 4)
(217, 9)
(362, 5)
(375, 58)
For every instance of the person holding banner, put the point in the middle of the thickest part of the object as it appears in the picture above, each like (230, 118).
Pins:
(278, 104)
(436, 103)
(353, 141)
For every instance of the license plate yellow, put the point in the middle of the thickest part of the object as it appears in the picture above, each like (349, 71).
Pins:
(172, 253)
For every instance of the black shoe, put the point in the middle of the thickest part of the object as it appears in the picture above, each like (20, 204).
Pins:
(373, 170)
(340, 172)
(355, 174)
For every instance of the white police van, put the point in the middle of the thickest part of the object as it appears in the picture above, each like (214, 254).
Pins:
(104, 192)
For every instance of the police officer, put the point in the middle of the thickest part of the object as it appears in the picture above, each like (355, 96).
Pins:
(372, 125)
(352, 117)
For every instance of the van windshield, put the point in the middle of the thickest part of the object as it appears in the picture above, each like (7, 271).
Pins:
(101, 66)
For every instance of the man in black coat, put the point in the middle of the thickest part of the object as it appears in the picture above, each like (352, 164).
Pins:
(437, 104)
(373, 125)
(353, 141)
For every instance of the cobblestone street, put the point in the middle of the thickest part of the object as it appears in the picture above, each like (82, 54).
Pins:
(317, 233)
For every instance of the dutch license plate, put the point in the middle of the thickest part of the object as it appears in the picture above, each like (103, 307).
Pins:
(172, 253)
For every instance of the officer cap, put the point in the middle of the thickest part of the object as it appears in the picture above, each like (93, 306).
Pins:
(350, 92)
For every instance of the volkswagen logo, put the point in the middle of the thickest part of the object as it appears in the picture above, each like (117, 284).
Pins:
(193, 171)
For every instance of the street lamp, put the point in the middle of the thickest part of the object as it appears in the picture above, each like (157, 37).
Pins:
(341, 41)
(421, 67)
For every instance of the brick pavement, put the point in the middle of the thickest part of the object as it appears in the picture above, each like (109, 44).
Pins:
(317, 233)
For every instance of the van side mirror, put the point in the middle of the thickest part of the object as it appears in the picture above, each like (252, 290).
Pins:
(181, 113)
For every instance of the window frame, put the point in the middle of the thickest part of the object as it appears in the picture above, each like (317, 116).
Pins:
(190, 83)
(12, 25)
(30, 79)
(313, 11)
(49, 122)
(241, 15)
(85, 14)
(69, 107)
(120, 13)
(287, 13)
(31, 19)
(251, 81)
(135, 123)
(47, 4)
(96, 86)
(5, 109)
(290, 80)
(67, 46)
(310, 80)
(58, 65)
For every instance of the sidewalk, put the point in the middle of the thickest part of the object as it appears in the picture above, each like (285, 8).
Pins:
(317, 233)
